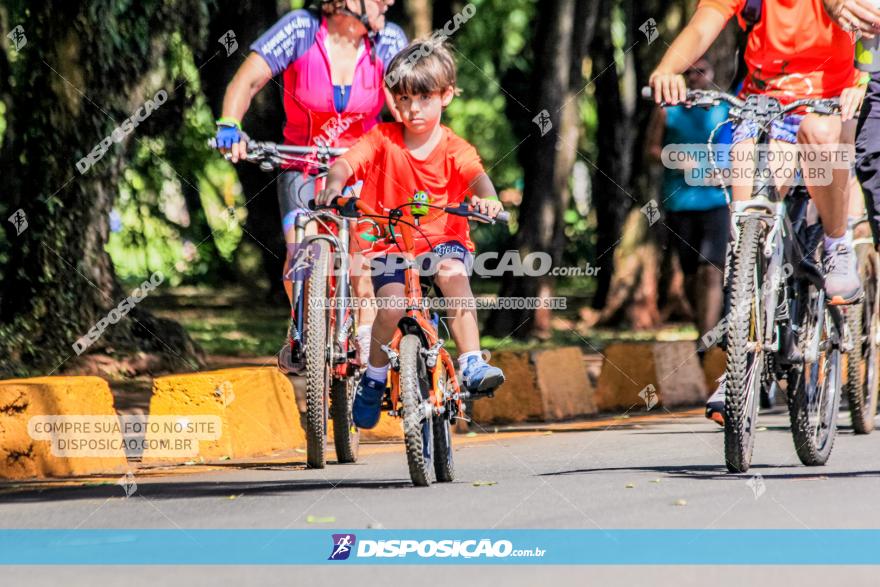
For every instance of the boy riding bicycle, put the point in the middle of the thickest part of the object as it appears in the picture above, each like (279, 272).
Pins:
(794, 51)
(419, 160)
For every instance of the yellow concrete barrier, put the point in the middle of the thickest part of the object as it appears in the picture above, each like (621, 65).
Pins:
(21, 456)
(637, 377)
(255, 408)
(388, 428)
(545, 385)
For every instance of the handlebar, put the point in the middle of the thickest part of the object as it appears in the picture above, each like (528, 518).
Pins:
(270, 155)
(354, 207)
(757, 107)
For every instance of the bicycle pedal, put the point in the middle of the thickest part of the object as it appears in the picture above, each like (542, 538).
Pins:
(472, 395)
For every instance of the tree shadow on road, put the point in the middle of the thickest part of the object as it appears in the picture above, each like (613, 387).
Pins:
(718, 472)
(193, 489)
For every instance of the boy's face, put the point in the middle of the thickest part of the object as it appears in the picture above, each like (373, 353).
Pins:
(421, 113)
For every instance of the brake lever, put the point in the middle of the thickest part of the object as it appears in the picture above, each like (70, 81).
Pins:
(465, 210)
(825, 107)
(347, 210)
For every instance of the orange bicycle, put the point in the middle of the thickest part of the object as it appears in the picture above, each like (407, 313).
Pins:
(424, 390)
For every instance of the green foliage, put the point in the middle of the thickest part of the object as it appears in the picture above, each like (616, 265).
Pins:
(158, 231)
(492, 42)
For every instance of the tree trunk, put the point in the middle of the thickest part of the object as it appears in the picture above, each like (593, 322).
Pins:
(638, 283)
(75, 83)
(419, 12)
(441, 12)
(612, 186)
(264, 121)
(563, 32)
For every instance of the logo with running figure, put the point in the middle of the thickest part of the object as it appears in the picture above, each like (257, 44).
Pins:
(343, 544)
(301, 259)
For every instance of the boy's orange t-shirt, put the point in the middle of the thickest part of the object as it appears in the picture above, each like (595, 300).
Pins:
(392, 176)
(795, 51)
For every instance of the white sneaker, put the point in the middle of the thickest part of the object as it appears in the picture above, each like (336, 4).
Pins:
(842, 283)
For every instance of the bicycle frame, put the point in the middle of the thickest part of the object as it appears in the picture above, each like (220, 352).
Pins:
(339, 278)
(768, 206)
(416, 320)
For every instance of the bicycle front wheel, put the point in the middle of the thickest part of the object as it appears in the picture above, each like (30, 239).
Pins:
(746, 365)
(317, 336)
(418, 429)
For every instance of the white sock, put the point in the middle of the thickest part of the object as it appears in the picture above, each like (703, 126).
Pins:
(463, 358)
(377, 373)
(364, 333)
(831, 242)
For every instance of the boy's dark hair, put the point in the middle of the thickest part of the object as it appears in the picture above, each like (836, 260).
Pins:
(424, 67)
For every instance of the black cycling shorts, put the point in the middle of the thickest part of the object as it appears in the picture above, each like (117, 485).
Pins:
(700, 237)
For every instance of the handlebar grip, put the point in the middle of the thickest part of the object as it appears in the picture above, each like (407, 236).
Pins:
(503, 217)
(212, 143)
(311, 205)
(648, 93)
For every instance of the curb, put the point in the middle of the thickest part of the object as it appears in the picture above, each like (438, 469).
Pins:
(641, 375)
(545, 385)
(255, 407)
(21, 456)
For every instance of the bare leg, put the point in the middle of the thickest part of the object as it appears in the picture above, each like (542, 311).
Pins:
(820, 134)
(385, 323)
(454, 282)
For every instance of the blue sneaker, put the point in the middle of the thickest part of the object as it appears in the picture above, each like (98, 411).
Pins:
(478, 376)
(367, 404)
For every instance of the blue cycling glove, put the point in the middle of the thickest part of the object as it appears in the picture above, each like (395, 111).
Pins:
(228, 133)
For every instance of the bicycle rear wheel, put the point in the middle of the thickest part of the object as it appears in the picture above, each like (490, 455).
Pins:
(814, 397)
(418, 429)
(863, 324)
(746, 364)
(444, 463)
(317, 334)
(346, 436)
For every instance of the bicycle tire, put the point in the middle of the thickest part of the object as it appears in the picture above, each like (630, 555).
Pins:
(417, 426)
(742, 391)
(346, 436)
(863, 371)
(816, 387)
(317, 364)
(444, 461)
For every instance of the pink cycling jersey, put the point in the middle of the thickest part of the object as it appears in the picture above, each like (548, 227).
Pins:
(295, 47)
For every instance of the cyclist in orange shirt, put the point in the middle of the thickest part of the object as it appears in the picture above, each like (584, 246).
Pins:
(795, 50)
(419, 159)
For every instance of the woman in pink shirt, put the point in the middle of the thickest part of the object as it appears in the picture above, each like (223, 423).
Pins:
(331, 60)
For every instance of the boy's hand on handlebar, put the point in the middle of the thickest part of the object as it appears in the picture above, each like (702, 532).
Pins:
(668, 87)
(326, 196)
(851, 102)
(490, 208)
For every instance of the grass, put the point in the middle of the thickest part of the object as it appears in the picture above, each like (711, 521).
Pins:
(237, 323)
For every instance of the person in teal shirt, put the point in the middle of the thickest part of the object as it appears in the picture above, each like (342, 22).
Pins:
(695, 206)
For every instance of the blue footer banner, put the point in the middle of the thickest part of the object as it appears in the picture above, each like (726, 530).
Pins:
(480, 547)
